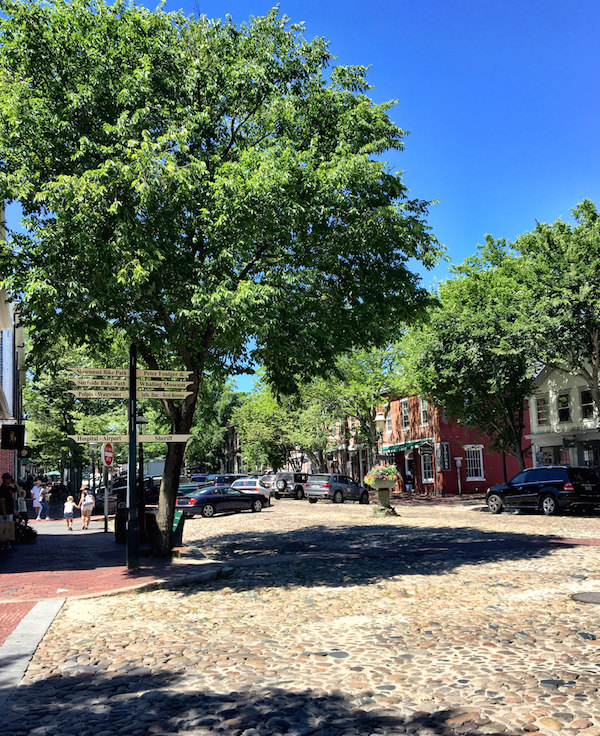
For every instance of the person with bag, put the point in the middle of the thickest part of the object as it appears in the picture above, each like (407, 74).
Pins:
(44, 501)
(86, 504)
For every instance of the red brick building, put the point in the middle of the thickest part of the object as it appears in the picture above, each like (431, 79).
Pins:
(442, 457)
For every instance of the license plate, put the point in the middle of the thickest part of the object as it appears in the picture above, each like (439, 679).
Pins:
(588, 486)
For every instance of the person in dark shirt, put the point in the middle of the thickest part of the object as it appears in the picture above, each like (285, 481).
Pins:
(7, 499)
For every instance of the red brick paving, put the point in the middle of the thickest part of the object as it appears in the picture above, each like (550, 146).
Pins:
(10, 615)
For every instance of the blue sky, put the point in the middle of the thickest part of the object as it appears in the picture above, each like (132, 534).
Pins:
(500, 99)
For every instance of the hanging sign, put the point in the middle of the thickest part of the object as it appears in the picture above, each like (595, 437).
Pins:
(87, 438)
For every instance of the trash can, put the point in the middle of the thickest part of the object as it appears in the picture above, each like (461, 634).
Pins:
(178, 521)
(121, 524)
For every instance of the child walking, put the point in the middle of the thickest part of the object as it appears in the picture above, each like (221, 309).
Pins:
(69, 506)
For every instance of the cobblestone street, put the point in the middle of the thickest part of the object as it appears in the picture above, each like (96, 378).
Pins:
(444, 620)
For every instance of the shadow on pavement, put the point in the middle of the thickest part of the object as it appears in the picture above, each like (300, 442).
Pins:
(356, 555)
(145, 704)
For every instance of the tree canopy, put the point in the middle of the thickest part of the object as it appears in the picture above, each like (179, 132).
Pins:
(196, 184)
(471, 358)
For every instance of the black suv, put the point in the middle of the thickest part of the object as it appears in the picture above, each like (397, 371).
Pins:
(550, 489)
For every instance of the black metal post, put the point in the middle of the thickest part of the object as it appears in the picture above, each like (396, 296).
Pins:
(132, 546)
(141, 493)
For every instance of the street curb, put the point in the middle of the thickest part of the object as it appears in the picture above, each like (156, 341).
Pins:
(223, 571)
(18, 649)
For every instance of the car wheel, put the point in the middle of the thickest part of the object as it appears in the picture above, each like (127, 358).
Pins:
(256, 505)
(364, 497)
(281, 484)
(208, 510)
(312, 500)
(299, 494)
(549, 505)
(338, 497)
(277, 495)
(495, 504)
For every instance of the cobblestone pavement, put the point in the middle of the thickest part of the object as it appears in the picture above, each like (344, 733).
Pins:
(445, 620)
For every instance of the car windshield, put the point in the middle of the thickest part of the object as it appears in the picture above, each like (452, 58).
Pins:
(319, 478)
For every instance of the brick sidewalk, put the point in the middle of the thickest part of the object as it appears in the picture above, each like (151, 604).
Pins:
(62, 564)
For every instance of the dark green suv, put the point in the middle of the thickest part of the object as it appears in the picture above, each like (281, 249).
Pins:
(549, 489)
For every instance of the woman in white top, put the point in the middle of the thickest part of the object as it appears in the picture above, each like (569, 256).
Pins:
(86, 504)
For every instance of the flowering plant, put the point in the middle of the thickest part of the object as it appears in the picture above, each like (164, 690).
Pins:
(381, 472)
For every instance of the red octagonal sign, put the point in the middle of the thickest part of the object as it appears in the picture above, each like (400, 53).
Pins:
(107, 454)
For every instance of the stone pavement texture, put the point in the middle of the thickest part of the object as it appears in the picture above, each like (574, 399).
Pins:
(442, 621)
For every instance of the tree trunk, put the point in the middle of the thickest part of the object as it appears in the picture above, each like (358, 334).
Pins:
(168, 496)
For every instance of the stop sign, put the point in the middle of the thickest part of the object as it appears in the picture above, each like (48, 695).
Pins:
(107, 454)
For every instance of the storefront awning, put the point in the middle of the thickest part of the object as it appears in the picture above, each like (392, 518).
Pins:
(405, 446)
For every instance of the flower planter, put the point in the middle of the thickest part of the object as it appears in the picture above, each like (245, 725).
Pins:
(383, 483)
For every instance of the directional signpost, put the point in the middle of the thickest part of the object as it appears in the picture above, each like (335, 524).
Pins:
(130, 383)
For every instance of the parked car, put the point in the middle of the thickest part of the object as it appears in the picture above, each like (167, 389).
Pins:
(218, 499)
(290, 485)
(151, 489)
(185, 489)
(252, 485)
(113, 502)
(336, 488)
(198, 478)
(549, 489)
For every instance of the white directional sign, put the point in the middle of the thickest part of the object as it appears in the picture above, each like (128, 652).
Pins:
(171, 385)
(164, 437)
(100, 382)
(85, 438)
(143, 373)
(100, 394)
(101, 371)
(108, 394)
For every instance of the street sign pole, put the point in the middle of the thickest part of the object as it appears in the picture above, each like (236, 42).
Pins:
(132, 547)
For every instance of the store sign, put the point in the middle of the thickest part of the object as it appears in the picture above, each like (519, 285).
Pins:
(443, 460)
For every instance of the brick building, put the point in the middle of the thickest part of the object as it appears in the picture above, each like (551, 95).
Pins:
(442, 457)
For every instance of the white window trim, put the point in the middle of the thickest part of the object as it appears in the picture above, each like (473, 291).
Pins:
(474, 448)
(388, 419)
(423, 403)
(404, 403)
(545, 398)
(425, 479)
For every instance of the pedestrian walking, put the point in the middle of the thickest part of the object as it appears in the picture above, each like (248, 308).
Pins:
(86, 504)
(35, 495)
(68, 512)
(45, 503)
(22, 507)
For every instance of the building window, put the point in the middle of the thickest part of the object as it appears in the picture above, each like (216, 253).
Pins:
(563, 403)
(388, 420)
(474, 463)
(427, 468)
(404, 414)
(587, 404)
(541, 405)
(424, 415)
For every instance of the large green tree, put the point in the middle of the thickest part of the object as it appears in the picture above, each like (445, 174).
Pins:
(197, 184)
(471, 357)
(560, 293)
